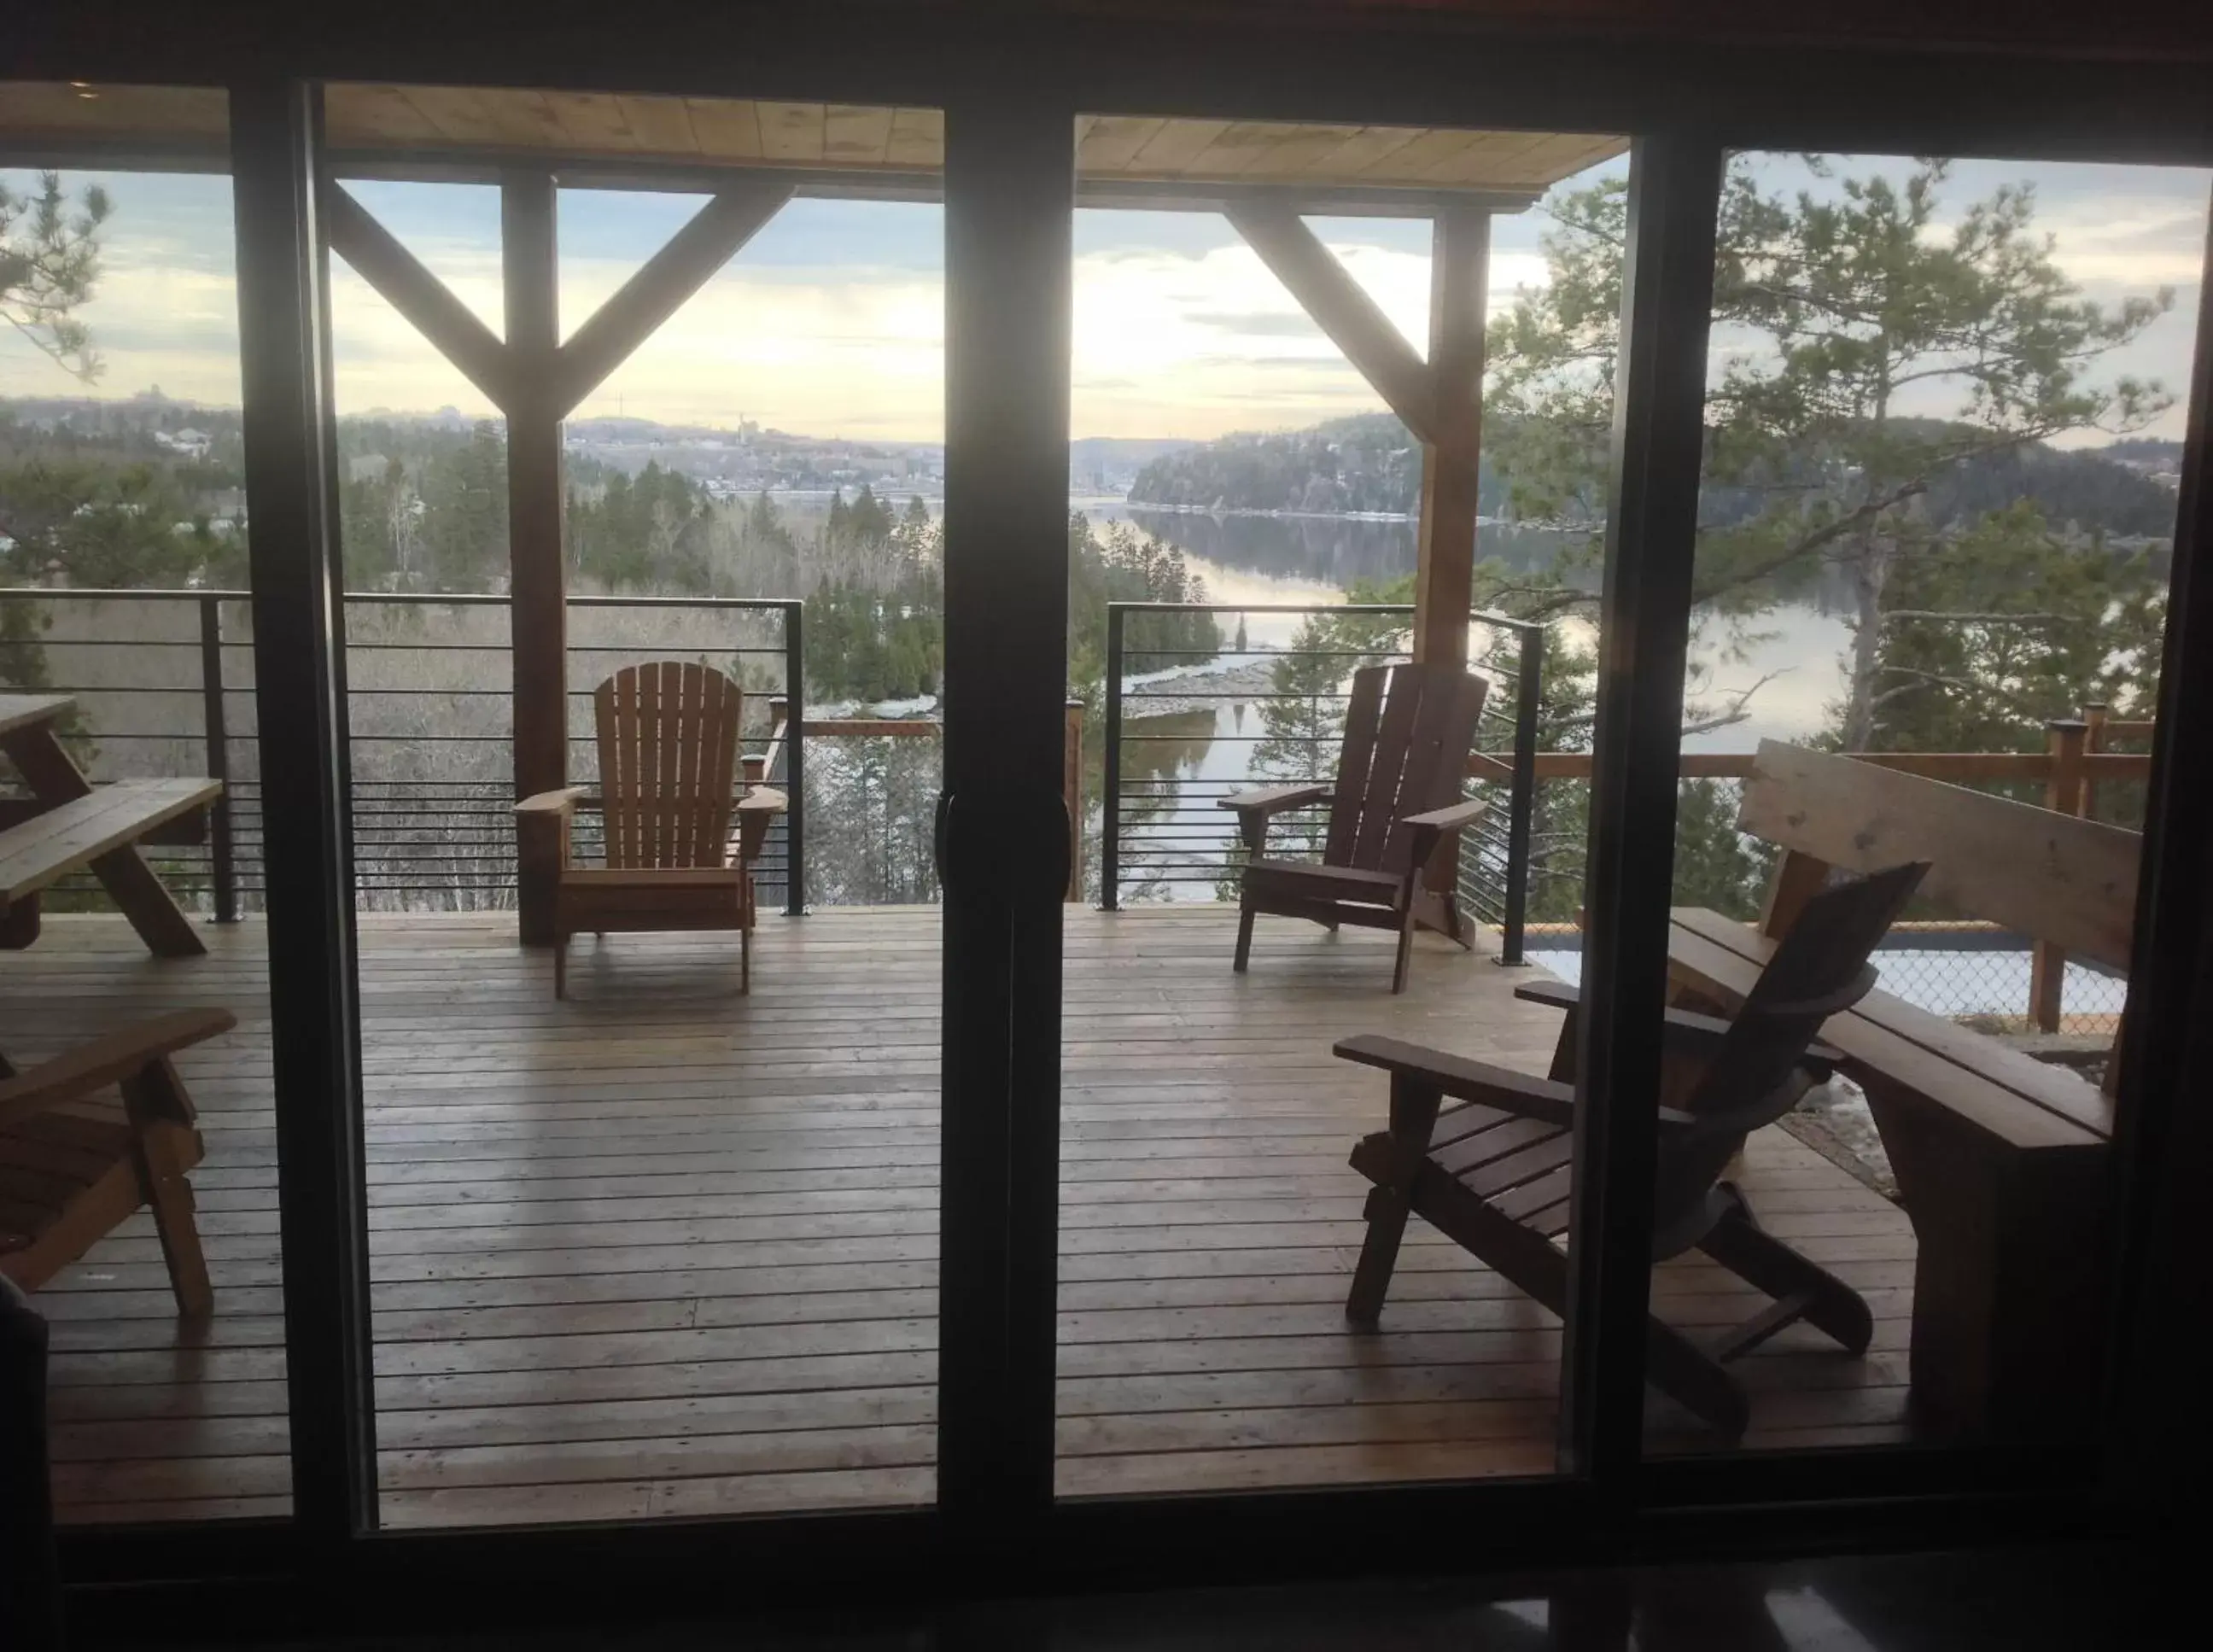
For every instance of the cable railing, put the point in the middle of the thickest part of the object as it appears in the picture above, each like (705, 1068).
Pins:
(163, 681)
(1188, 722)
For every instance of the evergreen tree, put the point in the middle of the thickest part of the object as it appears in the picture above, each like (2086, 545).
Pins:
(49, 267)
(1834, 308)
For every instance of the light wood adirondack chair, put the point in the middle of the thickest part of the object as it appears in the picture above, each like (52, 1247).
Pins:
(1494, 1171)
(668, 779)
(74, 1164)
(1396, 811)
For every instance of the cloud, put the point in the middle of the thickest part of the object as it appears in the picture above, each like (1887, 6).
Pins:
(1255, 324)
(833, 318)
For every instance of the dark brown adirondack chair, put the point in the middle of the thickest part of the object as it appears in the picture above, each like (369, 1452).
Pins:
(668, 779)
(1396, 811)
(73, 1163)
(1493, 1172)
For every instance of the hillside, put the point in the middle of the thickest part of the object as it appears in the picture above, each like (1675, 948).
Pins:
(1363, 463)
(1369, 463)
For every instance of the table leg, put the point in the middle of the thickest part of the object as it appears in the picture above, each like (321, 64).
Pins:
(2009, 1295)
(19, 925)
(144, 899)
(54, 778)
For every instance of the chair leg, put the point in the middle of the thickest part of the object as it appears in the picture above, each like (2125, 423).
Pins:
(168, 1194)
(1681, 1369)
(1244, 937)
(1386, 1214)
(1405, 950)
(745, 960)
(1739, 1244)
(560, 966)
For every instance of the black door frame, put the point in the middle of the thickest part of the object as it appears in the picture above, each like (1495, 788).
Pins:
(1018, 79)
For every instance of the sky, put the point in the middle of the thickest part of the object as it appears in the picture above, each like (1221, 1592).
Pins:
(830, 322)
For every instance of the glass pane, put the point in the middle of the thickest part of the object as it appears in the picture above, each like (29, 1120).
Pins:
(666, 1244)
(1250, 500)
(126, 659)
(1936, 520)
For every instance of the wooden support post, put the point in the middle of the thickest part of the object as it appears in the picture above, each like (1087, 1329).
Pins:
(425, 303)
(538, 597)
(2096, 714)
(1341, 308)
(661, 288)
(2063, 794)
(1444, 577)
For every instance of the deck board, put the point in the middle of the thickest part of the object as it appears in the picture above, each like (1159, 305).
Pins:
(663, 1250)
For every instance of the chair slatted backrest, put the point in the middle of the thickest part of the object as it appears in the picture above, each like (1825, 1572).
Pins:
(1818, 968)
(668, 754)
(1408, 730)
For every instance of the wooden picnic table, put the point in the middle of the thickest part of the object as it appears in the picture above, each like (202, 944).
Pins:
(74, 823)
(2003, 1161)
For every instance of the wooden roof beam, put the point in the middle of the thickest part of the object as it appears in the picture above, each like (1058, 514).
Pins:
(1342, 309)
(427, 302)
(659, 289)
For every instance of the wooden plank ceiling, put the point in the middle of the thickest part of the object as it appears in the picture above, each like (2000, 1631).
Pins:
(603, 127)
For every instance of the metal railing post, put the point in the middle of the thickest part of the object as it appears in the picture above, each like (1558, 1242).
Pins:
(1110, 788)
(794, 760)
(1522, 798)
(1071, 793)
(216, 722)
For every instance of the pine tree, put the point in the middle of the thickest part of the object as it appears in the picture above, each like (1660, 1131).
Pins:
(50, 267)
(1834, 307)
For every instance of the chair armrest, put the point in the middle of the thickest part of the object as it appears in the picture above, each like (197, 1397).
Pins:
(1274, 799)
(1557, 995)
(95, 1066)
(1546, 1100)
(755, 810)
(558, 801)
(1684, 1027)
(1451, 818)
(1522, 1094)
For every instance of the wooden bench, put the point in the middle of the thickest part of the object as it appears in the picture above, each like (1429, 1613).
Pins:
(67, 824)
(2001, 1159)
(38, 852)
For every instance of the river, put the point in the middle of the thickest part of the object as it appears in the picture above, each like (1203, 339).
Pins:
(1797, 647)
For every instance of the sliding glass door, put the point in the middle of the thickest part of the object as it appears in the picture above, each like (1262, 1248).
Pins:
(1175, 999)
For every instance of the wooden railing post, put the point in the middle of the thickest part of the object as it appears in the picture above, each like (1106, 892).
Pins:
(2063, 794)
(2095, 715)
(1071, 793)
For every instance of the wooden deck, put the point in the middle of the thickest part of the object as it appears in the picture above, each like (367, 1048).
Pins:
(661, 1250)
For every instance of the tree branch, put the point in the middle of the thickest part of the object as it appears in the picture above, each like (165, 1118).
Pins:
(1850, 523)
(1970, 618)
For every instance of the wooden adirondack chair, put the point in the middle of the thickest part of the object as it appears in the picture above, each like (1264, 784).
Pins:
(74, 1164)
(1395, 815)
(1494, 1171)
(668, 778)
